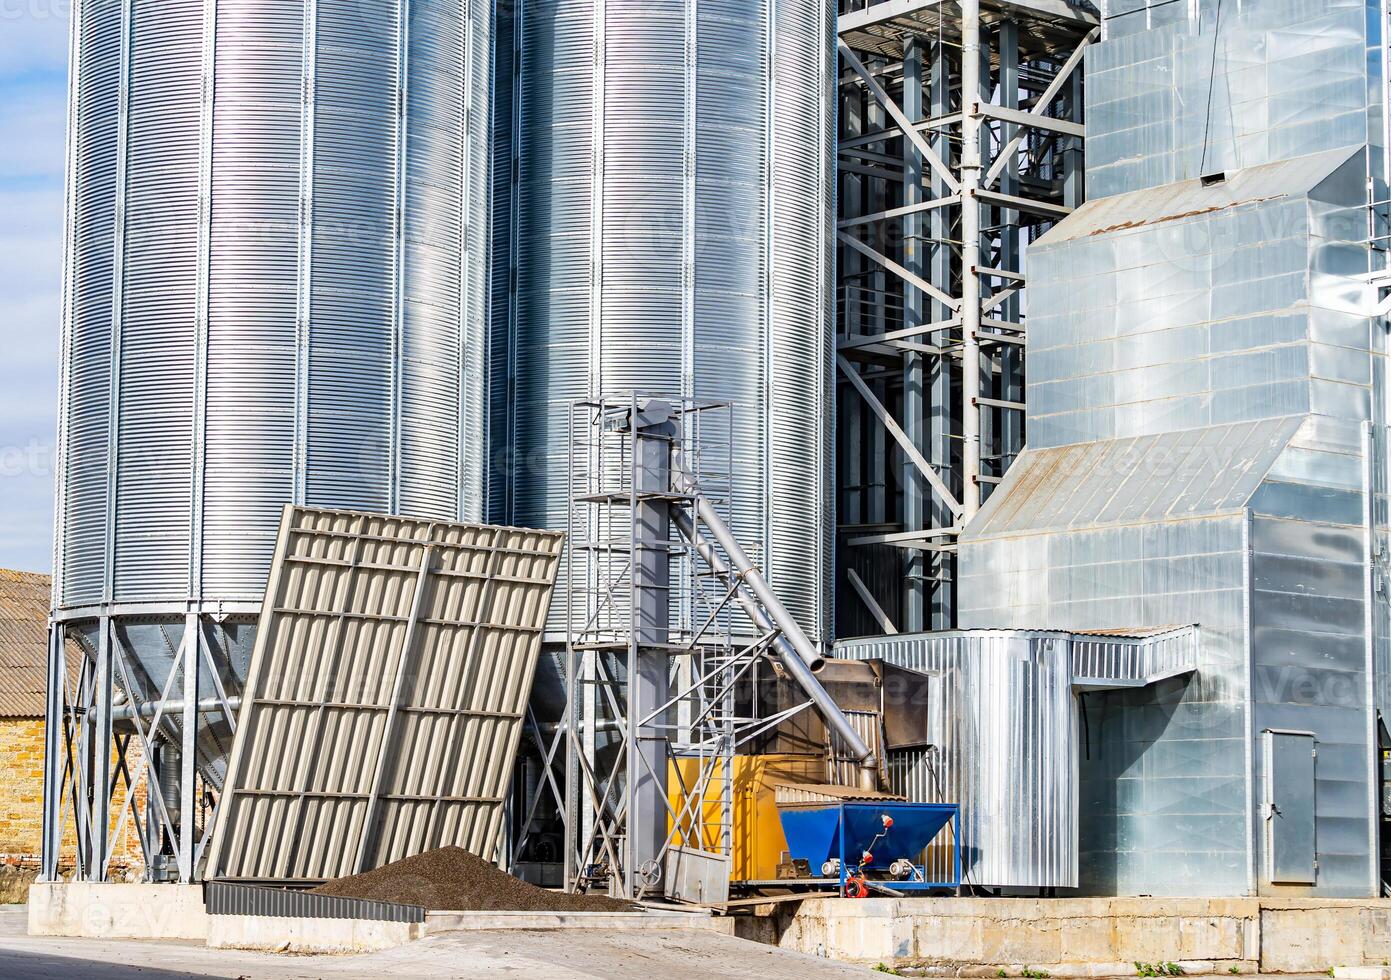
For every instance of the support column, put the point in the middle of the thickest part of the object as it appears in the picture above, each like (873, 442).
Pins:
(648, 656)
(188, 749)
(940, 399)
(915, 492)
(970, 258)
(53, 755)
(1073, 189)
(1011, 433)
(99, 784)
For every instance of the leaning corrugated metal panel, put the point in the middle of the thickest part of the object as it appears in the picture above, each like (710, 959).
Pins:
(384, 704)
(275, 283)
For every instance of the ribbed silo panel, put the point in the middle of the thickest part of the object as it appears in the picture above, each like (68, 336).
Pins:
(432, 252)
(323, 311)
(800, 415)
(473, 446)
(159, 305)
(555, 108)
(502, 246)
(728, 360)
(253, 290)
(82, 550)
(679, 181)
(353, 295)
(641, 309)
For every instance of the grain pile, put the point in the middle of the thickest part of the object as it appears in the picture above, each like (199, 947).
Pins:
(454, 879)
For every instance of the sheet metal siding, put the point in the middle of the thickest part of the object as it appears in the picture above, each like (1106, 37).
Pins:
(1150, 757)
(672, 215)
(378, 722)
(1309, 642)
(502, 269)
(229, 898)
(1284, 77)
(1134, 660)
(1221, 316)
(287, 337)
(1006, 750)
(802, 391)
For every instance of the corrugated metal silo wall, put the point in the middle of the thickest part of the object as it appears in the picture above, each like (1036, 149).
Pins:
(1004, 731)
(672, 236)
(315, 331)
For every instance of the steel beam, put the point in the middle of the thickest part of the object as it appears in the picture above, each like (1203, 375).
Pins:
(905, 274)
(877, 407)
(904, 124)
(970, 259)
(867, 597)
(1050, 93)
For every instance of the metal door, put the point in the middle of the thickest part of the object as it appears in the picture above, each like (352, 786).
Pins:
(1289, 808)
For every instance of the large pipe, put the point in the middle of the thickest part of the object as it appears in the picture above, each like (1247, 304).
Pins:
(172, 708)
(798, 657)
(749, 575)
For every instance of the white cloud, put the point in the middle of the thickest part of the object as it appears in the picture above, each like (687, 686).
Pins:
(33, 36)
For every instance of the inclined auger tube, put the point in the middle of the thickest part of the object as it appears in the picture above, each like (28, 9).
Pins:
(796, 653)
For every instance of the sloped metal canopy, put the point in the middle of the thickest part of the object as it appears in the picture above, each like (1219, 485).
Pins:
(385, 696)
(1195, 198)
(1163, 477)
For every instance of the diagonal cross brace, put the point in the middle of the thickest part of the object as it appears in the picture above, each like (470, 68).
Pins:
(909, 130)
(901, 437)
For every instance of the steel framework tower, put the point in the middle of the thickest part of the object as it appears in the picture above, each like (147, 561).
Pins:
(668, 622)
(960, 142)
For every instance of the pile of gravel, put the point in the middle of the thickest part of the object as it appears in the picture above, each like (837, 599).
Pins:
(453, 879)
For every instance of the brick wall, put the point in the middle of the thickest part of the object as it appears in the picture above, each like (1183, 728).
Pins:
(21, 803)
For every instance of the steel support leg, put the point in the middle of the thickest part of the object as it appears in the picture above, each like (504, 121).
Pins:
(53, 754)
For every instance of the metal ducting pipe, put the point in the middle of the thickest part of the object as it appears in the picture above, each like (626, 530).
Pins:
(171, 709)
(683, 482)
(796, 653)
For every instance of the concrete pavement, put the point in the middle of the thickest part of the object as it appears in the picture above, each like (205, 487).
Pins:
(561, 954)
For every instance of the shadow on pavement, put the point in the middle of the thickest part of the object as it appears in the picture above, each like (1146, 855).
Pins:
(25, 965)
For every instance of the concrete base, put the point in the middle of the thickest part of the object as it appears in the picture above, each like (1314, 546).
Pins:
(1086, 937)
(117, 911)
(606, 921)
(283, 934)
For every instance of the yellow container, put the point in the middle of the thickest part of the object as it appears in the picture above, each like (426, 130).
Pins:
(757, 833)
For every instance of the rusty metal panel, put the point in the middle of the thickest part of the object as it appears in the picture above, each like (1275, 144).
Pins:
(386, 692)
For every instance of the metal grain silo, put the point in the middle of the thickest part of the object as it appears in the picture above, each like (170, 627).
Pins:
(275, 292)
(668, 231)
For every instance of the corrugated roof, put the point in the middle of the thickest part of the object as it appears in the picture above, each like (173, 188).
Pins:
(1190, 198)
(24, 599)
(1169, 476)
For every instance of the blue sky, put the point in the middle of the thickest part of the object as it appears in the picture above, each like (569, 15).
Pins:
(33, 93)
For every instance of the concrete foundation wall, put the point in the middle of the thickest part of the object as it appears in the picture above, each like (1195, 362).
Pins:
(114, 910)
(1088, 937)
(280, 934)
